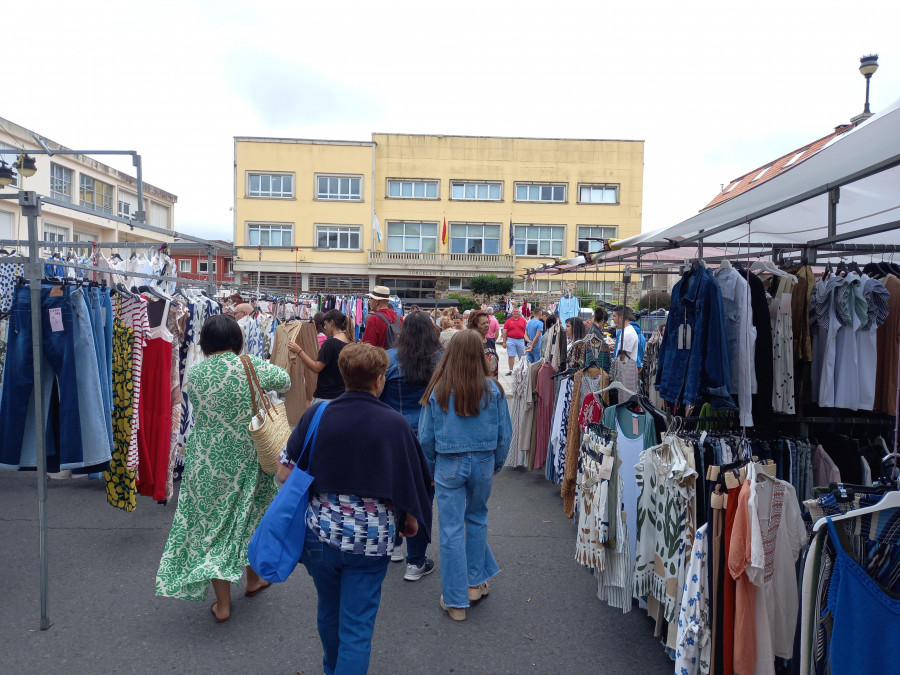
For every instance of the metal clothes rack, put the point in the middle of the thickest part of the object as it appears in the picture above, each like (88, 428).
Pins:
(30, 205)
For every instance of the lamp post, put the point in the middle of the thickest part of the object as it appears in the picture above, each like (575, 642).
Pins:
(867, 67)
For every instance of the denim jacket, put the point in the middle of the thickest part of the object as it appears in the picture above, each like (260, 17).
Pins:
(690, 370)
(447, 433)
(399, 394)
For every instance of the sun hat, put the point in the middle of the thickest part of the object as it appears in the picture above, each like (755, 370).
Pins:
(380, 293)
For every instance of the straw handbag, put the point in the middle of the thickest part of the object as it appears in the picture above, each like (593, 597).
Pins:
(269, 426)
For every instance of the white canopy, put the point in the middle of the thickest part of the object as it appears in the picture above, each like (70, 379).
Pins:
(793, 206)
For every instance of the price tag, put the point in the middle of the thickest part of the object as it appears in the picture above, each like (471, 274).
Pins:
(56, 322)
(635, 425)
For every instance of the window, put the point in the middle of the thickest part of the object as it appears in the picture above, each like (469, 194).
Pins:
(55, 233)
(60, 183)
(6, 225)
(412, 237)
(322, 282)
(410, 289)
(541, 192)
(651, 282)
(544, 240)
(10, 155)
(600, 232)
(760, 174)
(270, 235)
(229, 268)
(539, 286)
(598, 194)
(412, 189)
(159, 215)
(604, 290)
(203, 266)
(337, 237)
(83, 236)
(794, 158)
(476, 191)
(185, 267)
(475, 238)
(127, 204)
(460, 284)
(342, 188)
(273, 185)
(733, 185)
(95, 194)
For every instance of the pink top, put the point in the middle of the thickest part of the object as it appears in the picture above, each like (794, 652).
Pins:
(494, 327)
(321, 337)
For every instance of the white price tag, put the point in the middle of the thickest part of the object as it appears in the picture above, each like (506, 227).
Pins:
(56, 322)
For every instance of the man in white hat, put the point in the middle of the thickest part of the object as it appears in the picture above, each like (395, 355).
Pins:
(383, 324)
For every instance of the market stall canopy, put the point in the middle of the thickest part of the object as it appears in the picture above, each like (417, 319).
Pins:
(793, 206)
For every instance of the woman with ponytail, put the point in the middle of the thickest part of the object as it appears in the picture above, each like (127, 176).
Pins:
(330, 383)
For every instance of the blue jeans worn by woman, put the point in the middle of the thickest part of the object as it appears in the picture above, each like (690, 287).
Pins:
(463, 485)
(349, 589)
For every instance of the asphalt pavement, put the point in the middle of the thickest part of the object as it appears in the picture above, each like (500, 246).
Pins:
(542, 615)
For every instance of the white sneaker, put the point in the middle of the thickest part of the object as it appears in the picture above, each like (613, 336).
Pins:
(397, 555)
(416, 572)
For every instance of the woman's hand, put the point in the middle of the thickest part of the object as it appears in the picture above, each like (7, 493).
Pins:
(294, 347)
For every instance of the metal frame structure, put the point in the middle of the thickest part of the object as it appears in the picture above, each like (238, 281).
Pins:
(30, 204)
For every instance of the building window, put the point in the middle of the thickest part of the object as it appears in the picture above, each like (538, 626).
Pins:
(476, 191)
(337, 237)
(95, 194)
(10, 155)
(412, 189)
(270, 235)
(460, 284)
(598, 194)
(760, 174)
(324, 283)
(412, 237)
(341, 188)
(542, 240)
(229, 268)
(541, 192)
(60, 182)
(411, 289)
(600, 232)
(184, 266)
(203, 266)
(273, 185)
(85, 237)
(475, 238)
(538, 286)
(55, 233)
(127, 204)
(603, 290)
(159, 215)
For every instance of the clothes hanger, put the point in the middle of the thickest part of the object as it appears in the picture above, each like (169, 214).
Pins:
(619, 386)
(891, 500)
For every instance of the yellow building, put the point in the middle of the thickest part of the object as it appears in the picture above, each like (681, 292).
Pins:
(317, 201)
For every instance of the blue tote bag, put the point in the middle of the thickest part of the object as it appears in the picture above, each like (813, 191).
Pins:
(276, 545)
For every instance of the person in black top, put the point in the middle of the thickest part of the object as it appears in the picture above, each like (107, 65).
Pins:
(330, 384)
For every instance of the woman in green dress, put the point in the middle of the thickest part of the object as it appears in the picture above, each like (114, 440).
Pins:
(224, 493)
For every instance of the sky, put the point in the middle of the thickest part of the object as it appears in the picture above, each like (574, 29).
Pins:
(715, 89)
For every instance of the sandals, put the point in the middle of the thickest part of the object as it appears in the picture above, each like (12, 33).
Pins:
(251, 594)
(213, 610)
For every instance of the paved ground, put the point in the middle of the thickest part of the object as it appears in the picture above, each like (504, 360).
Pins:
(542, 615)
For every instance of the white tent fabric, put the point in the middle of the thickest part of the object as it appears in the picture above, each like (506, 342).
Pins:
(864, 202)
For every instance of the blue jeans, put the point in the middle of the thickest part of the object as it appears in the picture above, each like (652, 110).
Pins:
(17, 442)
(535, 354)
(463, 486)
(98, 318)
(349, 589)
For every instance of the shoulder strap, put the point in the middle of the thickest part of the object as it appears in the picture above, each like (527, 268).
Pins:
(248, 369)
(312, 432)
(383, 318)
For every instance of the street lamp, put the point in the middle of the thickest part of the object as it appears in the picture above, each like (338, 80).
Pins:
(6, 174)
(867, 67)
(26, 165)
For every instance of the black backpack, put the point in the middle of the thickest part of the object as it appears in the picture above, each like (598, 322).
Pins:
(393, 329)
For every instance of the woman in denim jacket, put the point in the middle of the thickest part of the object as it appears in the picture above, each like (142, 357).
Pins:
(464, 429)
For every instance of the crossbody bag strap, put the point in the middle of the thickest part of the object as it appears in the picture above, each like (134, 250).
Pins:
(312, 432)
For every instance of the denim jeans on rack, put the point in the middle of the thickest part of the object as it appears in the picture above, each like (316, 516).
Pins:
(104, 358)
(57, 364)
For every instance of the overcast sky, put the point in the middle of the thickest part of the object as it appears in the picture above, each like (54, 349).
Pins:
(714, 88)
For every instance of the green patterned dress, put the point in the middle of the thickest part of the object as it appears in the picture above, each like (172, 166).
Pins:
(224, 493)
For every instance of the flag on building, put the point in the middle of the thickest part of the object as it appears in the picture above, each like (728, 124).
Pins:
(376, 226)
(512, 240)
(444, 232)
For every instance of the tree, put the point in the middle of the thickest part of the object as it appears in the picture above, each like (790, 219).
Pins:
(655, 300)
(490, 285)
(465, 302)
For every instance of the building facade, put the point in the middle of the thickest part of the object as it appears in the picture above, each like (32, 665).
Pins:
(81, 181)
(193, 263)
(447, 208)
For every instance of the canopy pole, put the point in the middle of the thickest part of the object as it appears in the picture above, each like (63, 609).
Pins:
(834, 196)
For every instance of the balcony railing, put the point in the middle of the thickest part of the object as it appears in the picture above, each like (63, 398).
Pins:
(443, 262)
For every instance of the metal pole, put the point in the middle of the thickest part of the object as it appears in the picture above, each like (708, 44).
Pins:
(31, 208)
(834, 196)
(140, 214)
(210, 277)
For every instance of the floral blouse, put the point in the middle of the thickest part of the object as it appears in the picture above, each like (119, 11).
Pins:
(694, 629)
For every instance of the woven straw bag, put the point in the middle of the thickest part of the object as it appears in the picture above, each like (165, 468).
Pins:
(271, 426)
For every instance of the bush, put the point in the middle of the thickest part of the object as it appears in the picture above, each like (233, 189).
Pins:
(490, 285)
(465, 301)
(655, 300)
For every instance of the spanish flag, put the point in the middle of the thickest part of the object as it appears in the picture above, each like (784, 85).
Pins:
(444, 232)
